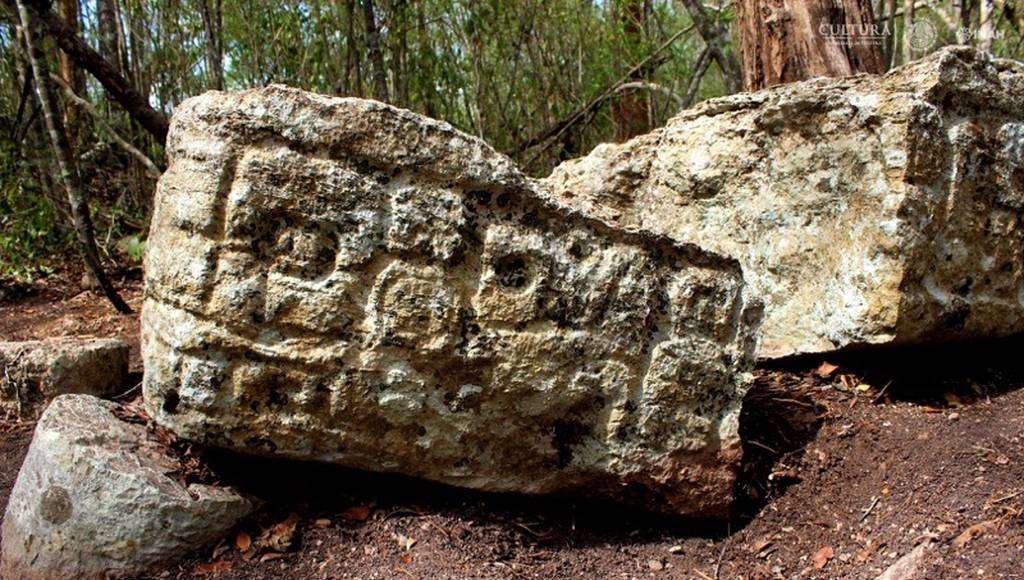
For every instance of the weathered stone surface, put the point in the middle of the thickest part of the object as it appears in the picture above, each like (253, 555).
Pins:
(95, 499)
(33, 373)
(910, 566)
(869, 210)
(341, 280)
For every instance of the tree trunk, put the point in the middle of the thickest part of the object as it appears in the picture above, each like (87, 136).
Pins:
(908, 26)
(693, 85)
(106, 17)
(87, 58)
(73, 76)
(987, 25)
(31, 136)
(136, 48)
(68, 173)
(962, 16)
(890, 33)
(212, 22)
(715, 37)
(353, 76)
(629, 110)
(380, 80)
(400, 50)
(782, 41)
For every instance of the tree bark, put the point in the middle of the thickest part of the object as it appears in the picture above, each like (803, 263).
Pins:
(890, 37)
(782, 41)
(715, 37)
(399, 35)
(68, 174)
(72, 75)
(87, 58)
(31, 135)
(693, 86)
(987, 25)
(629, 110)
(908, 26)
(212, 22)
(380, 80)
(353, 85)
(106, 17)
(962, 16)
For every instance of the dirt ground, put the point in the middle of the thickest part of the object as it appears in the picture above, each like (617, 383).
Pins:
(847, 469)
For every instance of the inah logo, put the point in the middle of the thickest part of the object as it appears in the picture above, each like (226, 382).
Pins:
(923, 35)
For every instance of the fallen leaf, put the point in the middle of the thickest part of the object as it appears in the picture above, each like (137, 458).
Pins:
(822, 556)
(785, 474)
(271, 556)
(219, 551)
(279, 537)
(972, 532)
(213, 567)
(863, 555)
(243, 541)
(405, 541)
(862, 388)
(406, 558)
(825, 369)
(322, 523)
(359, 513)
(761, 545)
(952, 400)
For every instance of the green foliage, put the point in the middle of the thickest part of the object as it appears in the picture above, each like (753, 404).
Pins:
(28, 232)
(133, 247)
(504, 71)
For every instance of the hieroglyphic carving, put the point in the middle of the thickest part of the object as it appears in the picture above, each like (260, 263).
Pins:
(314, 293)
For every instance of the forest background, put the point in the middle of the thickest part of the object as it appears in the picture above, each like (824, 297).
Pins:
(540, 80)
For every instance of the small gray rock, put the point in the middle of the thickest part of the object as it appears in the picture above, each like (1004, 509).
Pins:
(94, 500)
(909, 566)
(32, 373)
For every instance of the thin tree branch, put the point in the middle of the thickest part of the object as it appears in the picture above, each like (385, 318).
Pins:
(61, 150)
(650, 86)
(380, 81)
(561, 126)
(26, 88)
(151, 169)
(714, 35)
(87, 58)
(703, 62)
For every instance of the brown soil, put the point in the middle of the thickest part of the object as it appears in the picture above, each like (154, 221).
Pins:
(843, 475)
(60, 308)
